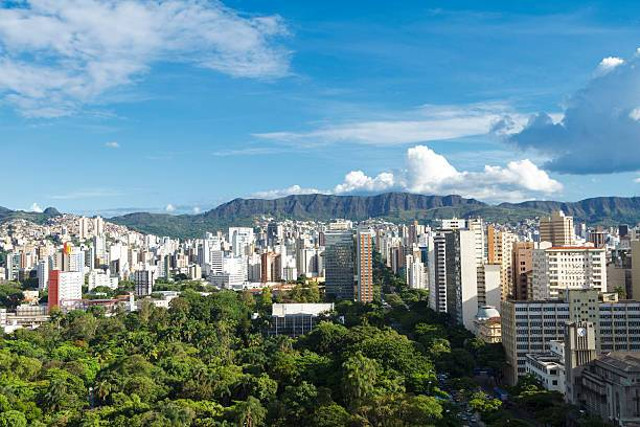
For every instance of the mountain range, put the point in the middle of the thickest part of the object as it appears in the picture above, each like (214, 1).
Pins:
(390, 206)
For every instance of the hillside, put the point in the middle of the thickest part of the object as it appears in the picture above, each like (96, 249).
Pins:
(37, 217)
(391, 206)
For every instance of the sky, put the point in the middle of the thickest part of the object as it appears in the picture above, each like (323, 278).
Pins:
(176, 106)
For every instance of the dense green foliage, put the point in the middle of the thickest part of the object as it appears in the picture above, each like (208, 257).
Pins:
(204, 362)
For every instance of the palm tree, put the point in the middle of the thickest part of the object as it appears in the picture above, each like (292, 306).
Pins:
(250, 413)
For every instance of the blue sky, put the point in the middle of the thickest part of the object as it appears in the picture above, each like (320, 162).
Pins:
(111, 107)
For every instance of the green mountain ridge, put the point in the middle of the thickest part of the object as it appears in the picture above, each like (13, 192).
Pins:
(390, 206)
(36, 217)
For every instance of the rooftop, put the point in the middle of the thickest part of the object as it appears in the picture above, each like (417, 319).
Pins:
(622, 360)
(281, 310)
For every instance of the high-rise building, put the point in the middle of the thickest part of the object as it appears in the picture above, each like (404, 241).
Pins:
(438, 272)
(144, 281)
(557, 229)
(500, 252)
(476, 225)
(489, 286)
(98, 226)
(415, 273)
(339, 255)
(43, 273)
(64, 287)
(269, 265)
(568, 267)
(522, 266)
(635, 269)
(83, 228)
(241, 239)
(454, 280)
(529, 327)
(364, 265)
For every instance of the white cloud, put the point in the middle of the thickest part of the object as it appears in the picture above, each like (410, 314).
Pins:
(427, 172)
(36, 208)
(607, 64)
(86, 194)
(112, 144)
(428, 123)
(289, 191)
(170, 208)
(196, 210)
(58, 55)
(358, 181)
(599, 131)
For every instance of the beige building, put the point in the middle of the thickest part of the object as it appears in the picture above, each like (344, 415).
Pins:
(364, 266)
(635, 269)
(610, 388)
(522, 264)
(487, 325)
(500, 252)
(557, 229)
(568, 267)
(529, 327)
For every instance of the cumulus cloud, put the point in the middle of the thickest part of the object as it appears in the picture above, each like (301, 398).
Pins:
(170, 208)
(427, 123)
(196, 210)
(36, 208)
(607, 64)
(427, 172)
(289, 191)
(599, 131)
(359, 181)
(112, 144)
(58, 55)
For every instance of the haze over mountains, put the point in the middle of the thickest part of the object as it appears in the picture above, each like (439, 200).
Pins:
(391, 206)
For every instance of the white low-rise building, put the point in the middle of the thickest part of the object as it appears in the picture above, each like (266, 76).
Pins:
(99, 278)
(548, 368)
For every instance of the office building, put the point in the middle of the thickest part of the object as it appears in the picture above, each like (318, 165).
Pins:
(522, 269)
(364, 265)
(144, 281)
(454, 280)
(270, 267)
(296, 319)
(340, 264)
(64, 287)
(558, 268)
(610, 388)
(557, 229)
(500, 252)
(528, 327)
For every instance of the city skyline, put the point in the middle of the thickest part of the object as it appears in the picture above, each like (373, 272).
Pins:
(202, 102)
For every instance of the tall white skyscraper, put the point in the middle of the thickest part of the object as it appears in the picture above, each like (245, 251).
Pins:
(241, 238)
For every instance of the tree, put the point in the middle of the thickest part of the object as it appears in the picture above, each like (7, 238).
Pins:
(484, 404)
(10, 295)
(249, 413)
(332, 415)
(358, 380)
(13, 419)
(622, 293)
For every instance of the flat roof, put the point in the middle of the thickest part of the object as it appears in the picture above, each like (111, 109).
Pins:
(283, 309)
